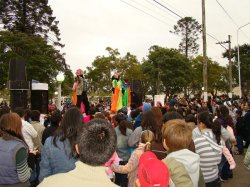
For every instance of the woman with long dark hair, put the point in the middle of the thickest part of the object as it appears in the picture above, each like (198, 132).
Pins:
(149, 123)
(14, 170)
(58, 153)
(122, 150)
(207, 145)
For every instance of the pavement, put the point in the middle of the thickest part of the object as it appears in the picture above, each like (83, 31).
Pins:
(241, 175)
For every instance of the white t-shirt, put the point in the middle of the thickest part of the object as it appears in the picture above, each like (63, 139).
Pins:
(28, 133)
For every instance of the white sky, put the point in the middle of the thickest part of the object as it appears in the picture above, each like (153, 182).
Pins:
(89, 26)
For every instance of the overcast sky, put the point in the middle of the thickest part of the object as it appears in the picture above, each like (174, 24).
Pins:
(89, 26)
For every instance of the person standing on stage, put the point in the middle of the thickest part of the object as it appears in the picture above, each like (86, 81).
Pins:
(119, 84)
(115, 93)
(126, 99)
(81, 91)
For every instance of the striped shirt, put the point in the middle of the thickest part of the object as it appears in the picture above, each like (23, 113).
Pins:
(210, 155)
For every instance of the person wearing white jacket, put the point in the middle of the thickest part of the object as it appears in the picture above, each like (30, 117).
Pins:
(28, 131)
(177, 136)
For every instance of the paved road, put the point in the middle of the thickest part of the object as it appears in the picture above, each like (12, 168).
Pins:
(241, 176)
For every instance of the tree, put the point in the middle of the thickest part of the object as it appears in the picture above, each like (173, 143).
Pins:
(217, 76)
(189, 29)
(99, 75)
(30, 17)
(244, 66)
(166, 70)
(43, 61)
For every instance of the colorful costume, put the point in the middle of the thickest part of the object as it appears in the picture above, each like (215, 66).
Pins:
(126, 98)
(74, 93)
(119, 102)
(115, 94)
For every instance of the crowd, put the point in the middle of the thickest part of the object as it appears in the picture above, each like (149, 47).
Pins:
(183, 142)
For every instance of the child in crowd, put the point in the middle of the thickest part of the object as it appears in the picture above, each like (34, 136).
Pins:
(177, 138)
(147, 138)
(152, 171)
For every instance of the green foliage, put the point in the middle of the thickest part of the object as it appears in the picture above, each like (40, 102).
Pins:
(43, 61)
(99, 75)
(166, 70)
(189, 29)
(244, 66)
(217, 76)
(30, 17)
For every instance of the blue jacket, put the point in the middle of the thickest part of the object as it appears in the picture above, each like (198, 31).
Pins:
(55, 159)
(8, 170)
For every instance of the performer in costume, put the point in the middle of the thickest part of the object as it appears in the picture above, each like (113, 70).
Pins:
(126, 98)
(115, 92)
(81, 91)
(74, 92)
(119, 85)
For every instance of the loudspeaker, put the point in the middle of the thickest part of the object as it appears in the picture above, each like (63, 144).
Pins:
(39, 100)
(18, 85)
(18, 98)
(136, 92)
(17, 70)
(136, 86)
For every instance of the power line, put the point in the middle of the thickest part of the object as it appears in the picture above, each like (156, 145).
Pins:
(227, 13)
(146, 13)
(211, 36)
(182, 18)
(181, 12)
(168, 9)
(160, 8)
(230, 17)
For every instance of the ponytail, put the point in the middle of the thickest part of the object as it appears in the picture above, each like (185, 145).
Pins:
(147, 146)
(147, 138)
(215, 126)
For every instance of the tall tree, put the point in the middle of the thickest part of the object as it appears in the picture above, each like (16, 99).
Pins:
(244, 67)
(99, 74)
(218, 77)
(43, 61)
(166, 70)
(30, 17)
(189, 30)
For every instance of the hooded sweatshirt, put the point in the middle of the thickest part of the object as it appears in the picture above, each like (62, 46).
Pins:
(210, 155)
(191, 161)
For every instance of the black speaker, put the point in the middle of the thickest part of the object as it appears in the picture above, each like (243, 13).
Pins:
(39, 100)
(136, 92)
(18, 98)
(18, 85)
(17, 70)
(136, 86)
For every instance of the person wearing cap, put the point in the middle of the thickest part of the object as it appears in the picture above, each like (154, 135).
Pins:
(152, 171)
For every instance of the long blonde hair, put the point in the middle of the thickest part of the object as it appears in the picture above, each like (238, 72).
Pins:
(147, 137)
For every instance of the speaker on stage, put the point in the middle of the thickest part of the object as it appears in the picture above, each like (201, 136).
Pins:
(39, 97)
(17, 70)
(136, 92)
(17, 84)
(18, 98)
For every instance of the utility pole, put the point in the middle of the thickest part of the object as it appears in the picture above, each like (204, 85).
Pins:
(204, 50)
(230, 68)
(230, 65)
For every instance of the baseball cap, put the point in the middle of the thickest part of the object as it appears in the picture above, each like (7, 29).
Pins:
(152, 172)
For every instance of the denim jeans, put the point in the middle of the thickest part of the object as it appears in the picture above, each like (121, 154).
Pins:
(240, 146)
